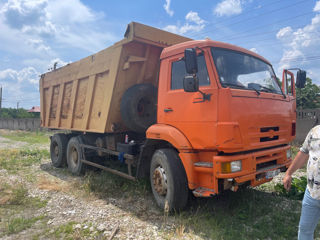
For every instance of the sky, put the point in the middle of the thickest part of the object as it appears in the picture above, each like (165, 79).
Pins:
(34, 34)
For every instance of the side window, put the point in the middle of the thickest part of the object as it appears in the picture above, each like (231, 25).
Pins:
(178, 72)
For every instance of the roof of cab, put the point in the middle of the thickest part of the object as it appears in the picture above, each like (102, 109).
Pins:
(179, 48)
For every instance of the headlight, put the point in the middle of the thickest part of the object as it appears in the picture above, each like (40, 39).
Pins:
(230, 167)
(289, 155)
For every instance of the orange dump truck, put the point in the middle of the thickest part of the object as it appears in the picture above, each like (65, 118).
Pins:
(191, 115)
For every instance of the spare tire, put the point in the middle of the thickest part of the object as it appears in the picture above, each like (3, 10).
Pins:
(139, 107)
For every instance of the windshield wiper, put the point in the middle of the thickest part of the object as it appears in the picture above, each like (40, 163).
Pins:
(233, 85)
(266, 89)
(257, 91)
(241, 86)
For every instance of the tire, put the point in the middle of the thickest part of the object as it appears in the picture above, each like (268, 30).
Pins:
(168, 180)
(74, 154)
(58, 150)
(138, 107)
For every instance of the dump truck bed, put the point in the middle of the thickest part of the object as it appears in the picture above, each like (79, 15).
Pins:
(86, 95)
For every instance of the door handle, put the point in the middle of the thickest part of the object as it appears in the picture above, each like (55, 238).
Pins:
(168, 110)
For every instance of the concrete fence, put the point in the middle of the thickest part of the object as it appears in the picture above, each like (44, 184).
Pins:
(30, 124)
(306, 119)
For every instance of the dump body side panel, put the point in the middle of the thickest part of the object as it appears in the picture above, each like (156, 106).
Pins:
(86, 95)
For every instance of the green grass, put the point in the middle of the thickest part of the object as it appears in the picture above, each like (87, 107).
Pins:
(68, 231)
(15, 159)
(15, 204)
(19, 224)
(29, 137)
(107, 184)
(17, 195)
(247, 214)
(260, 213)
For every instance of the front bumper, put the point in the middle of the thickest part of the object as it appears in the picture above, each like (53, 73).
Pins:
(254, 165)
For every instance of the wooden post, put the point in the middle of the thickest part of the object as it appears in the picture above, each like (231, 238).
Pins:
(0, 98)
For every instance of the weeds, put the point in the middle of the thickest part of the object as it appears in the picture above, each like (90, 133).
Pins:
(104, 184)
(247, 214)
(37, 137)
(297, 189)
(16, 225)
(14, 201)
(70, 230)
(13, 159)
(18, 196)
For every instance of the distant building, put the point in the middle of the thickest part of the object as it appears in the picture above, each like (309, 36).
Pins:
(35, 109)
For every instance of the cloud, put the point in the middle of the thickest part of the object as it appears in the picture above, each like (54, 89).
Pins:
(25, 75)
(253, 50)
(228, 8)
(284, 33)
(301, 46)
(194, 17)
(60, 63)
(37, 33)
(52, 21)
(18, 14)
(20, 86)
(166, 7)
(317, 7)
(193, 24)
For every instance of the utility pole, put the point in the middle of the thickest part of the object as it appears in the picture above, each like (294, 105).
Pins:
(0, 97)
(17, 105)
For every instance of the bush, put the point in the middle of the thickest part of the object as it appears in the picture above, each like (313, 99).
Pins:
(296, 192)
(17, 113)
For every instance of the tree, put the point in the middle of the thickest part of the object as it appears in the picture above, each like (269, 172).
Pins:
(17, 113)
(309, 96)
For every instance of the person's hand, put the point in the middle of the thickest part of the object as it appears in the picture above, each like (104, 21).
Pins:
(287, 182)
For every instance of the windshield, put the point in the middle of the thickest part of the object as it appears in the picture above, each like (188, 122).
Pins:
(240, 70)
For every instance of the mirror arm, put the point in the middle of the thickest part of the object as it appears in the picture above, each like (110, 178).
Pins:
(202, 51)
(205, 97)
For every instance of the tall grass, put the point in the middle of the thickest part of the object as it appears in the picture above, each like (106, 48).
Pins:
(37, 137)
(15, 159)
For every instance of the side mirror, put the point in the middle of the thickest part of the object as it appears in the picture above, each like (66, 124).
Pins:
(190, 84)
(190, 57)
(301, 79)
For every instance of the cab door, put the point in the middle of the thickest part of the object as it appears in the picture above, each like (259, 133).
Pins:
(188, 112)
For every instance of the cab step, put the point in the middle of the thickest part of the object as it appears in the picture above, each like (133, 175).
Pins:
(203, 192)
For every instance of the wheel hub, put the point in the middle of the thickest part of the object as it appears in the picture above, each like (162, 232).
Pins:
(56, 150)
(159, 178)
(74, 156)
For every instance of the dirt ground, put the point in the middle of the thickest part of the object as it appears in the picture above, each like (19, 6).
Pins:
(39, 201)
(89, 216)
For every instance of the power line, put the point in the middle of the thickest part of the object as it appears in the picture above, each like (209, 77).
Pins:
(269, 40)
(273, 31)
(250, 18)
(230, 37)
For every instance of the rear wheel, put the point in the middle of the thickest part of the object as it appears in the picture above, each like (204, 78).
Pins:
(58, 150)
(75, 165)
(168, 180)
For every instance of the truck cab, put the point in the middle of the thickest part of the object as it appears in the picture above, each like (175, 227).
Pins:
(233, 125)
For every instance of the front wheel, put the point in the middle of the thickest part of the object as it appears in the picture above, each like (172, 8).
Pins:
(168, 180)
